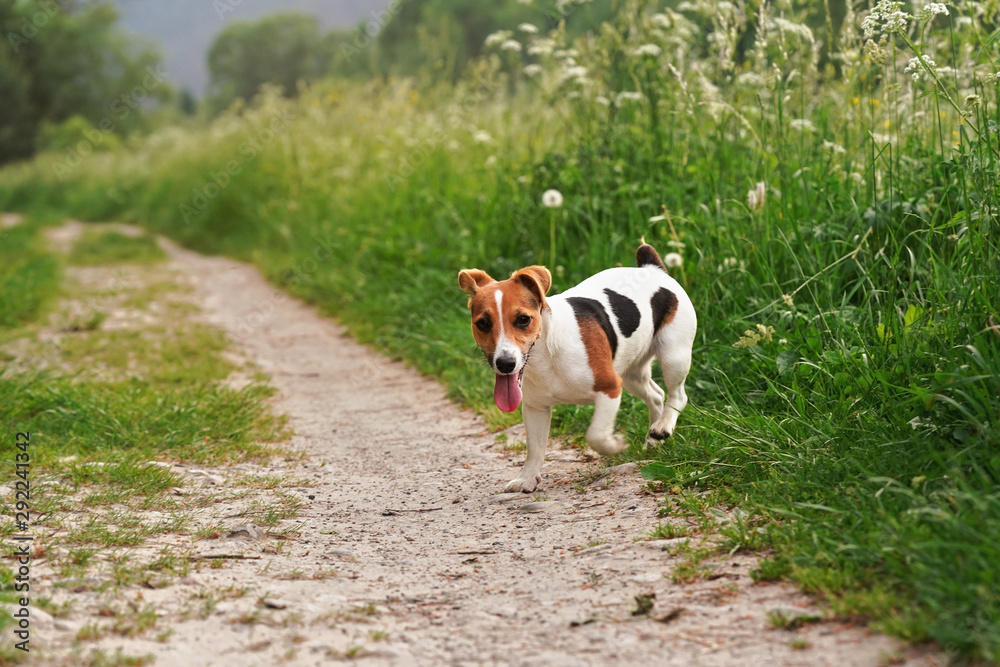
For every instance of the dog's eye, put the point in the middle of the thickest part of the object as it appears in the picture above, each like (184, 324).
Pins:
(484, 325)
(522, 321)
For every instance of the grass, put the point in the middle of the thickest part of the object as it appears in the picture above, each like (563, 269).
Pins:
(99, 248)
(108, 400)
(846, 383)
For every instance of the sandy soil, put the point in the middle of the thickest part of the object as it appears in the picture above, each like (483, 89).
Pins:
(407, 555)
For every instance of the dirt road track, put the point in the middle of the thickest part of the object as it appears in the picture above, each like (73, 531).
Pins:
(418, 562)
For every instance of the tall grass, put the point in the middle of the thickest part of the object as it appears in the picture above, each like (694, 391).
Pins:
(846, 385)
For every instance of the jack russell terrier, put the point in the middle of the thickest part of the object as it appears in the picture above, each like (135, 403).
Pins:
(583, 346)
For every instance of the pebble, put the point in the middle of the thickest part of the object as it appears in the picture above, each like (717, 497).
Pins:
(207, 476)
(247, 531)
(543, 506)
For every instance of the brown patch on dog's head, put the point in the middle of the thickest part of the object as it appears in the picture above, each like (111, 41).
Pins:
(537, 280)
(471, 280)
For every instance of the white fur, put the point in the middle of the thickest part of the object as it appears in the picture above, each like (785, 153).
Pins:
(558, 371)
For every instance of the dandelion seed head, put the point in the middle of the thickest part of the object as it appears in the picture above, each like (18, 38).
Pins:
(672, 260)
(552, 199)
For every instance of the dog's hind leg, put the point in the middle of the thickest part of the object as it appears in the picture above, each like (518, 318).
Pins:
(536, 427)
(601, 434)
(638, 381)
(675, 363)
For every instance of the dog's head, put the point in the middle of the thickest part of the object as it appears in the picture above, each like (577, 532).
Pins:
(506, 322)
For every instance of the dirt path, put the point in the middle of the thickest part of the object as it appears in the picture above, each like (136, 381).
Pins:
(407, 556)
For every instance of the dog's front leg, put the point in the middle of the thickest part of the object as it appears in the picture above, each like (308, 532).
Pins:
(601, 434)
(536, 426)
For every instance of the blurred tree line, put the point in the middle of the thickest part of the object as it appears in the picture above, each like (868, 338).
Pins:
(67, 74)
(66, 70)
(430, 40)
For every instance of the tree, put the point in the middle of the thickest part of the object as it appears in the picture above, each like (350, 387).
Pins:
(282, 49)
(60, 59)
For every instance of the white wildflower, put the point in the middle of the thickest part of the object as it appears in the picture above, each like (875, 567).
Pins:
(887, 16)
(756, 198)
(676, 244)
(528, 28)
(833, 147)
(491, 161)
(577, 74)
(552, 199)
(729, 262)
(658, 218)
(787, 298)
(532, 70)
(661, 21)
(541, 47)
(914, 69)
(628, 96)
(672, 260)
(482, 137)
(802, 125)
(602, 100)
(751, 79)
(648, 50)
(931, 10)
(497, 38)
(511, 45)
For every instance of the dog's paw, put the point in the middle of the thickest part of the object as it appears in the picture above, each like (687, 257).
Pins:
(523, 484)
(614, 445)
(655, 437)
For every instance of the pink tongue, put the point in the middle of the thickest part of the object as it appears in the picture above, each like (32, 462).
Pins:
(507, 393)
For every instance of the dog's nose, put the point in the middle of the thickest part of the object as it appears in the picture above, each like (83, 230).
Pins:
(505, 364)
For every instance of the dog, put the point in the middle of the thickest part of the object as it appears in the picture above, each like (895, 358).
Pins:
(584, 346)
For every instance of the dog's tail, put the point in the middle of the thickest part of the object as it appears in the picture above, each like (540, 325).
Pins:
(646, 255)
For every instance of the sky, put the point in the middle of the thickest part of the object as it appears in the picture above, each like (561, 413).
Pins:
(183, 30)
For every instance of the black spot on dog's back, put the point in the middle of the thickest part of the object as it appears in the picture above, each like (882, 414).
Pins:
(589, 309)
(626, 312)
(664, 305)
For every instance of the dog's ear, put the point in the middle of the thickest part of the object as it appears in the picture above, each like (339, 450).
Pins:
(537, 279)
(471, 280)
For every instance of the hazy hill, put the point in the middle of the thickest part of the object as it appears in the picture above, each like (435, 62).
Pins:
(184, 29)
